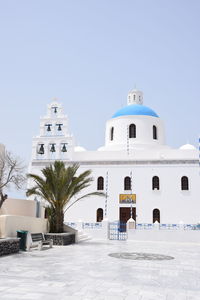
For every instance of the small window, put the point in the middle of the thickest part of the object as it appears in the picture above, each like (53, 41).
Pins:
(100, 183)
(132, 131)
(127, 183)
(155, 136)
(134, 97)
(156, 215)
(99, 215)
(184, 183)
(112, 134)
(155, 183)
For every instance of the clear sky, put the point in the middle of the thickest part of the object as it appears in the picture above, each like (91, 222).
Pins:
(89, 54)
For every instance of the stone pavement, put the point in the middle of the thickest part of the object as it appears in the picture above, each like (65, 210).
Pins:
(86, 271)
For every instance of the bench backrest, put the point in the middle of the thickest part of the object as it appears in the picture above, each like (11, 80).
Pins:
(37, 237)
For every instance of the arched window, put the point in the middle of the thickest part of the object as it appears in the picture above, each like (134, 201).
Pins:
(184, 183)
(156, 215)
(99, 214)
(155, 183)
(127, 183)
(132, 131)
(112, 134)
(155, 135)
(100, 183)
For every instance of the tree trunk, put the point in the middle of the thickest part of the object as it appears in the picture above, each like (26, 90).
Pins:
(59, 219)
(3, 197)
(56, 218)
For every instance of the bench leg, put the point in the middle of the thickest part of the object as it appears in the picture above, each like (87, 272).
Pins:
(40, 246)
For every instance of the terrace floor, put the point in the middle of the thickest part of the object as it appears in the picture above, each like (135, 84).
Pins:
(86, 271)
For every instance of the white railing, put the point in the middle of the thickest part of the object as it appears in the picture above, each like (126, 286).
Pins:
(88, 225)
(146, 226)
(71, 224)
(139, 226)
(96, 225)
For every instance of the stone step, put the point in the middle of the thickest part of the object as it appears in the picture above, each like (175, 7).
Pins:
(83, 237)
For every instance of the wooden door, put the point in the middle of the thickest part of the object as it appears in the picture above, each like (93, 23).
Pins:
(125, 214)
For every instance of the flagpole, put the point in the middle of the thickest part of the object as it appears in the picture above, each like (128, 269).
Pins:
(106, 200)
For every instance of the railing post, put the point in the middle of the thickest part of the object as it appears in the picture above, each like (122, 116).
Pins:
(79, 225)
(130, 227)
(105, 228)
(156, 225)
(181, 225)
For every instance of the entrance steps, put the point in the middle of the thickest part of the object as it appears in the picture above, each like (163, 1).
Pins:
(82, 237)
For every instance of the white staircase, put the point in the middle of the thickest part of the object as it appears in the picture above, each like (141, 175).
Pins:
(82, 237)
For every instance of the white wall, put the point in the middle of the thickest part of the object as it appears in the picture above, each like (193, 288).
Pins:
(174, 205)
(10, 224)
(183, 236)
(144, 131)
(18, 207)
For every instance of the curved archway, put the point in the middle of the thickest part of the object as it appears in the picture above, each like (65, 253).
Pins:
(127, 183)
(100, 183)
(132, 131)
(155, 133)
(155, 183)
(156, 215)
(184, 183)
(99, 215)
(112, 133)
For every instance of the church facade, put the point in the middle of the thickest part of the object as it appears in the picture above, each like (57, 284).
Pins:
(141, 176)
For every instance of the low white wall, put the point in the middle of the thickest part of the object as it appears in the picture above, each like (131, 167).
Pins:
(10, 224)
(19, 207)
(99, 233)
(184, 236)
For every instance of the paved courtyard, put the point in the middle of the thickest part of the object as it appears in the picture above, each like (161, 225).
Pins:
(87, 271)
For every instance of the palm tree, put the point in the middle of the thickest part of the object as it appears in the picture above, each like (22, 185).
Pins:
(58, 185)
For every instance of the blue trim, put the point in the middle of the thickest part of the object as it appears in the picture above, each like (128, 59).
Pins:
(135, 110)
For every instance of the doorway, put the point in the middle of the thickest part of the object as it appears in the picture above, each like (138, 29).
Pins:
(125, 214)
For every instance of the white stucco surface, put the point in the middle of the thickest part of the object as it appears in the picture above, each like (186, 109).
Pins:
(9, 224)
(86, 271)
(18, 207)
(141, 156)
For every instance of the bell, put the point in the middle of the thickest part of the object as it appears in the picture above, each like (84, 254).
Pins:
(41, 150)
(53, 148)
(59, 127)
(64, 149)
(48, 127)
(55, 109)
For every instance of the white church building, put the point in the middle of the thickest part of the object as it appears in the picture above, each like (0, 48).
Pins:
(141, 176)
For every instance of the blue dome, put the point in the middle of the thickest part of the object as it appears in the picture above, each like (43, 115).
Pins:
(135, 110)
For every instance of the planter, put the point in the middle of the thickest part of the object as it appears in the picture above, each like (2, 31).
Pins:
(9, 246)
(61, 239)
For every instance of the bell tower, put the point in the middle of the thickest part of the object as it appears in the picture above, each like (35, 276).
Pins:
(135, 97)
(54, 140)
